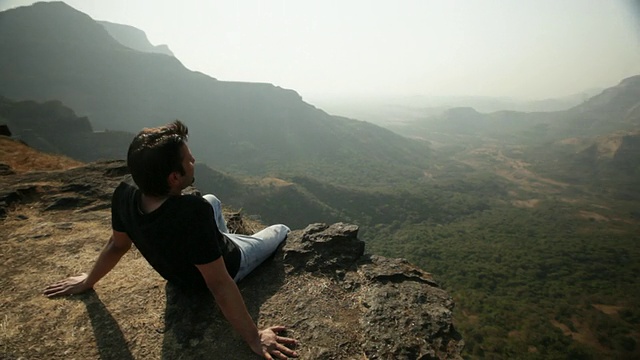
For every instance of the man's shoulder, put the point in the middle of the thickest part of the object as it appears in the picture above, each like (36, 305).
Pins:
(191, 207)
(127, 185)
(194, 201)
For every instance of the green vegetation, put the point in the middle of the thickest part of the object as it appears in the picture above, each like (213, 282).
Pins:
(538, 270)
(514, 273)
(541, 263)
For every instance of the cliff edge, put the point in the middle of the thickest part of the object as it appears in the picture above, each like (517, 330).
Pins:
(337, 301)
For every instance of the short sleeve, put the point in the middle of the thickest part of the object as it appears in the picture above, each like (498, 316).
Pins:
(116, 209)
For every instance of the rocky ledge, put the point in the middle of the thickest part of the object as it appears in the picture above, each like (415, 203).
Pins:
(339, 302)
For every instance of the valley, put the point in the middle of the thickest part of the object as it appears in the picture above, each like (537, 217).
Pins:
(546, 269)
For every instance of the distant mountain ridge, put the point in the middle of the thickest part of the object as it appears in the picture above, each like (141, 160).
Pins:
(247, 128)
(134, 38)
(614, 109)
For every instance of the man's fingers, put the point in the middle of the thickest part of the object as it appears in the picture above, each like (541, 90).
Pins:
(52, 290)
(279, 355)
(276, 349)
(277, 329)
(55, 292)
(286, 340)
(70, 285)
(52, 293)
(56, 285)
(285, 350)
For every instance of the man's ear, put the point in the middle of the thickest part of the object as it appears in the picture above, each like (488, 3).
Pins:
(173, 179)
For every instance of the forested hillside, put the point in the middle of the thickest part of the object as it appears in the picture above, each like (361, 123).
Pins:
(546, 270)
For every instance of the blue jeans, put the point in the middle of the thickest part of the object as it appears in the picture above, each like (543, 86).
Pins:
(254, 249)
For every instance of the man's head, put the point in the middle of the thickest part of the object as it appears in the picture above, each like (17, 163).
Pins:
(160, 161)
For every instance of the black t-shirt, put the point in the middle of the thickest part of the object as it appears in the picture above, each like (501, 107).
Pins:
(174, 238)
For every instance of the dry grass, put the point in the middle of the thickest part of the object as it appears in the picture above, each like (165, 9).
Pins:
(21, 158)
(122, 319)
(238, 224)
(124, 314)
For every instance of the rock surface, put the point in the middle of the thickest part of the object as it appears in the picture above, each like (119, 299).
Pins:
(339, 302)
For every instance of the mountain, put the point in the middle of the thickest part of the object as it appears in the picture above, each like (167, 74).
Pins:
(392, 111)
(133, 38)
(614, 109)
(319, 284)
(605, 164)
(52, 127)
(52, 51)
(505, 126)
(268, 199)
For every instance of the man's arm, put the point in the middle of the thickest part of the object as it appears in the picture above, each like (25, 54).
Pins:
(263, 342)
(116, 247)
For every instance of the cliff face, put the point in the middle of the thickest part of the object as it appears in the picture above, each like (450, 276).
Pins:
(338, 302)
(54, 128)
(134, 38)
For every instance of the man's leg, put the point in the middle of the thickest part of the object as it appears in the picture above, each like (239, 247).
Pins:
(257, 248)
(217, 212)
(254, 249)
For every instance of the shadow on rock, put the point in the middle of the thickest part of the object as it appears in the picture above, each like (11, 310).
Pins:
(195, 328)
(109, 338)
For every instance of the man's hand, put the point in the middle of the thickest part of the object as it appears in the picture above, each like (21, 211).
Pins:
(68, 286)
(271, 345)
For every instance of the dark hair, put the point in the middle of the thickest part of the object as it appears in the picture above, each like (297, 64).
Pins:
(154, 154)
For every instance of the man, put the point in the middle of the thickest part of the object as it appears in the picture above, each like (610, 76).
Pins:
(184, 237)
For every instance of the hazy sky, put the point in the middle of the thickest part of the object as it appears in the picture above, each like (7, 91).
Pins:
(517, 48)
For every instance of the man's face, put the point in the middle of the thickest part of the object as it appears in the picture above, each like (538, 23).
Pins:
(188, 162)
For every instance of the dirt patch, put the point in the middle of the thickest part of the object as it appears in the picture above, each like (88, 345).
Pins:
(608, 146)
(564, 328)
(515, 334)
(592, 215)
(570, 141)
(514, 170)
(271, 181)
(526, 203)
(608, 309)
(471, 318)
(583, 334)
